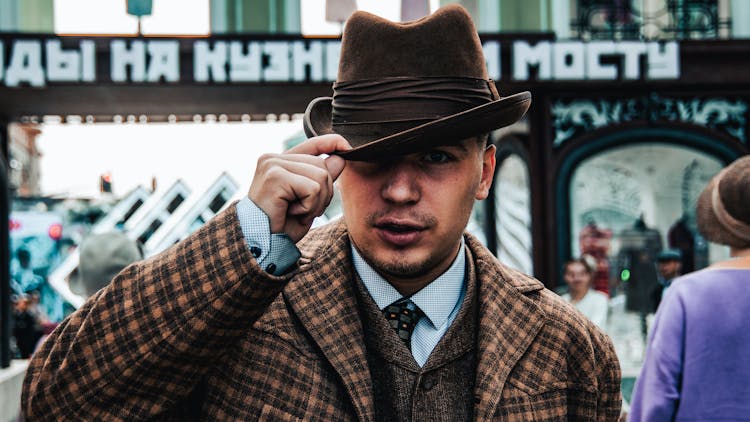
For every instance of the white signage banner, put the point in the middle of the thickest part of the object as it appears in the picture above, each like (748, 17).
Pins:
(577, 60)
(39, 62)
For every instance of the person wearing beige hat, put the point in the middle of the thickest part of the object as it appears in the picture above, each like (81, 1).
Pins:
(696, 365)
(101, 257)
(392, 313)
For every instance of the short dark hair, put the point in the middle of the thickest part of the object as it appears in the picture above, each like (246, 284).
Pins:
(483, 139)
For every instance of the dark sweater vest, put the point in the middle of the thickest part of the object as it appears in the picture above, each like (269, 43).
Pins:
(442, 390)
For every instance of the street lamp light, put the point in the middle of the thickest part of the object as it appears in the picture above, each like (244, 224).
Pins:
(139, 8)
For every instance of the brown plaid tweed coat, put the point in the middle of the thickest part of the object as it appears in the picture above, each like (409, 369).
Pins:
(201, 332)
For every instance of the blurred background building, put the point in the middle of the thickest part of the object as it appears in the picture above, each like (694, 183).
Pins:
(674, 63)
(637, 104)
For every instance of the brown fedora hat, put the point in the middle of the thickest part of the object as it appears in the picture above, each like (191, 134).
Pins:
(723, 209)
(402, 87)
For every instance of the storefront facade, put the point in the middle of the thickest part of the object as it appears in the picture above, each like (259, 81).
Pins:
(597, 157)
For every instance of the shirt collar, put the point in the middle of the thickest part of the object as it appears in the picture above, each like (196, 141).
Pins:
(437, 300)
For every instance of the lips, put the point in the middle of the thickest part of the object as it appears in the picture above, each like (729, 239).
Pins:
(399, 233)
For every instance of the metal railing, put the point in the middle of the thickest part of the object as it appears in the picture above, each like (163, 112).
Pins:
(630, 20)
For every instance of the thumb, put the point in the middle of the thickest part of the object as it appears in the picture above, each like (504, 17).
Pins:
(335, 166)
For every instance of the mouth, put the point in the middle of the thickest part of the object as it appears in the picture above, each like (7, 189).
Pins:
(399, 228)
(400, 234)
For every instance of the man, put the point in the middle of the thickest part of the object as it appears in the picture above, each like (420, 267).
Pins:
(389, 314)
(669, 266)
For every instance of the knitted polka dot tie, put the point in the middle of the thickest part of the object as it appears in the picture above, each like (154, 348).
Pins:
(403, 316)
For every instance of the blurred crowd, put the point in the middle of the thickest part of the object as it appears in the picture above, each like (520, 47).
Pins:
(36, 306)
(32, 300)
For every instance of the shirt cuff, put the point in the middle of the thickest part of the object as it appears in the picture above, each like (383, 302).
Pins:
(274, 252)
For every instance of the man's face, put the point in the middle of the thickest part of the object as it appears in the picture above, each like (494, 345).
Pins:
(669, 269)
(405, 215)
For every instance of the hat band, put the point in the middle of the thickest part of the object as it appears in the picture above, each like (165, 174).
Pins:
(405, 99)
(734, 226)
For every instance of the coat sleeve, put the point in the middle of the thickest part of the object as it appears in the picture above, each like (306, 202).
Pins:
(140, 346)
(608, 376)
(657, 390)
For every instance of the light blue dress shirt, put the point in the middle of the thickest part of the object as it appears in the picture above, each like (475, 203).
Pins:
(276, 252)
(440, 300)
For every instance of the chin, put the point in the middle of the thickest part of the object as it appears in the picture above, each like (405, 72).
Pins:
(404, 269)
(403, 263)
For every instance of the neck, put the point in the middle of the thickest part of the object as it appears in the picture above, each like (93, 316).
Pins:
(740, 259)
(575, 296)
(739, 252)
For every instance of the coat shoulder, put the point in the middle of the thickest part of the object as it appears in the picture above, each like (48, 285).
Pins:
(514, 278)
(562, 318)
(321, 239)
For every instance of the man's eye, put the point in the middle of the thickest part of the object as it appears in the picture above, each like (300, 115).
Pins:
(437, 157)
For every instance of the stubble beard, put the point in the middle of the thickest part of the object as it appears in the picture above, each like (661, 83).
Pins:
(400, 267)
(400, 263)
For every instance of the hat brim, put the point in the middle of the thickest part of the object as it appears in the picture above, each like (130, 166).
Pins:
(468, 123)
(75, 283)
(708, 223)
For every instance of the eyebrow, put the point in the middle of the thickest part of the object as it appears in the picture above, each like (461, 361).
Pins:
(461, 144)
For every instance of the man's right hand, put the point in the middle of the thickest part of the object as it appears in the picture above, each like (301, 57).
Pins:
(296, 186)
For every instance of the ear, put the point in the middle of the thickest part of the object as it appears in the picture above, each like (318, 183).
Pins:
(488, 172)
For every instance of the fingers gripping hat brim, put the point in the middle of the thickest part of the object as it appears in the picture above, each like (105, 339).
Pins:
(472, 122)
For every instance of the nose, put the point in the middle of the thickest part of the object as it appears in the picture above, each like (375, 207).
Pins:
(401, 184)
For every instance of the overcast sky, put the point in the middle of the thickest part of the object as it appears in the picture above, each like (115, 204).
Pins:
(74, 155)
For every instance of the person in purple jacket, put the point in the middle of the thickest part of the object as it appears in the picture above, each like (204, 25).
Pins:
(697, 363)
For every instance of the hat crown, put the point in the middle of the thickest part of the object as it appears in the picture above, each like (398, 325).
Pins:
(734, 190)
(445, 43)
(101, 257)
(669, 255)
(723, 209)
(404, 87)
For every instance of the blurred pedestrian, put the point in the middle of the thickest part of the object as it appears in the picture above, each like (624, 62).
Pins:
(101, 256)
(696, 365)
(26, 328)
(669, 267)
(578, 275)
(23, 279)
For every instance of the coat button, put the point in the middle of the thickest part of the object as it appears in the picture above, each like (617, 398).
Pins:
(271, 268)
(428, 384)
(256, 251)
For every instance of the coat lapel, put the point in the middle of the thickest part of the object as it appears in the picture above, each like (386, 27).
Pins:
(508, 323)
(323, 297)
